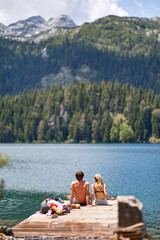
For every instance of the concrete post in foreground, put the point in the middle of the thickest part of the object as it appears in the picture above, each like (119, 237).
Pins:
(130, 221)
(129, 211)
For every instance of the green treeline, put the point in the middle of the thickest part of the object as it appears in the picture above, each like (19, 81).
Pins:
(83, 112)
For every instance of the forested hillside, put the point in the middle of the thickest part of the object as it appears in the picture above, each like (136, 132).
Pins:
(111, 48)
(83, 112)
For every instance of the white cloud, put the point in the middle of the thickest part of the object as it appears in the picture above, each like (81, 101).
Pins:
(2, 16)
(101, 8)
(79, 10)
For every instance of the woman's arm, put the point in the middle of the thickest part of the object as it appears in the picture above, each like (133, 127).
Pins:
(93, 194)
(106, 194)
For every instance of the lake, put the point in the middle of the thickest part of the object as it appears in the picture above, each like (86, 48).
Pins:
(38, 171)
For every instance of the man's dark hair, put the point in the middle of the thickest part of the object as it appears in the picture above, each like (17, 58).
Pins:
(79, 175)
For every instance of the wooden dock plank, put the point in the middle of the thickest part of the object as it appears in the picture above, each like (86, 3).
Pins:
(86, 222)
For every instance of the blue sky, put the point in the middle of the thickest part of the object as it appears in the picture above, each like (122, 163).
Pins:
(79, 10)
(141, 8)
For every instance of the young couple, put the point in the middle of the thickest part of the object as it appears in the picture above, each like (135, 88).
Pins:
(80, 191)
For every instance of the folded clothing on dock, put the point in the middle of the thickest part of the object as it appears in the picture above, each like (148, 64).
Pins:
(53, 204)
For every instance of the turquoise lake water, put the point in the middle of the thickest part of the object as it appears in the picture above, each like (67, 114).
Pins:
(38, 171)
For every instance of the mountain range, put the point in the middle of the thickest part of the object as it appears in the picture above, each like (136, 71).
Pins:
(37, 28)
(27, 29)
(39, 54)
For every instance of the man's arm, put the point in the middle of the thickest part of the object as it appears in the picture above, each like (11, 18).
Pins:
(72, 193)
(87, 193)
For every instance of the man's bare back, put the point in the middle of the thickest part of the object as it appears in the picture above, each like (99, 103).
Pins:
(80, 190)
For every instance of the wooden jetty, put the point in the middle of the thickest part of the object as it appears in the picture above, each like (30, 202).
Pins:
(120, 218)
(88, 222)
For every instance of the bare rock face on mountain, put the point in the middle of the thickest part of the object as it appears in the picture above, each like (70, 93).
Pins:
(61, 21)
(27, 28)
(31, 27)
(156, 19)
(3, 29)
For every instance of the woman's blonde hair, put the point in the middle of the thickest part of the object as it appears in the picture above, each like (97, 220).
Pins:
(99, 180)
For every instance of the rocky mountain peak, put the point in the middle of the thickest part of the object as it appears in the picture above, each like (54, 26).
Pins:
(62, 21)
(36, 19)
(31, 20)
(34, 26)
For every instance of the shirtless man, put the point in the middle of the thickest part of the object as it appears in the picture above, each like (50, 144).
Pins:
(79, 190)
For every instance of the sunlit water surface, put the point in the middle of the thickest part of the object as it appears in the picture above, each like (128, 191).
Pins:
(38, 171)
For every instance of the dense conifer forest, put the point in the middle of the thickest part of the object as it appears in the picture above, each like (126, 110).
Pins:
(113, 48)
(81, 113)
(119, 102)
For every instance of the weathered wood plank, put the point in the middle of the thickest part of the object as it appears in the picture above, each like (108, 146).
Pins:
(86, 222)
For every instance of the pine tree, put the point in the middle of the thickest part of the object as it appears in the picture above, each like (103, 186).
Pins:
(105, 127)
(114, 134)
(156, 123)
(126, 134)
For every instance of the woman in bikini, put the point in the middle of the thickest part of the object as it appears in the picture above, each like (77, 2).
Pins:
(99, 192)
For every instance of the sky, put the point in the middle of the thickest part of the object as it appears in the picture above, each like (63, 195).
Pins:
(79, 10)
